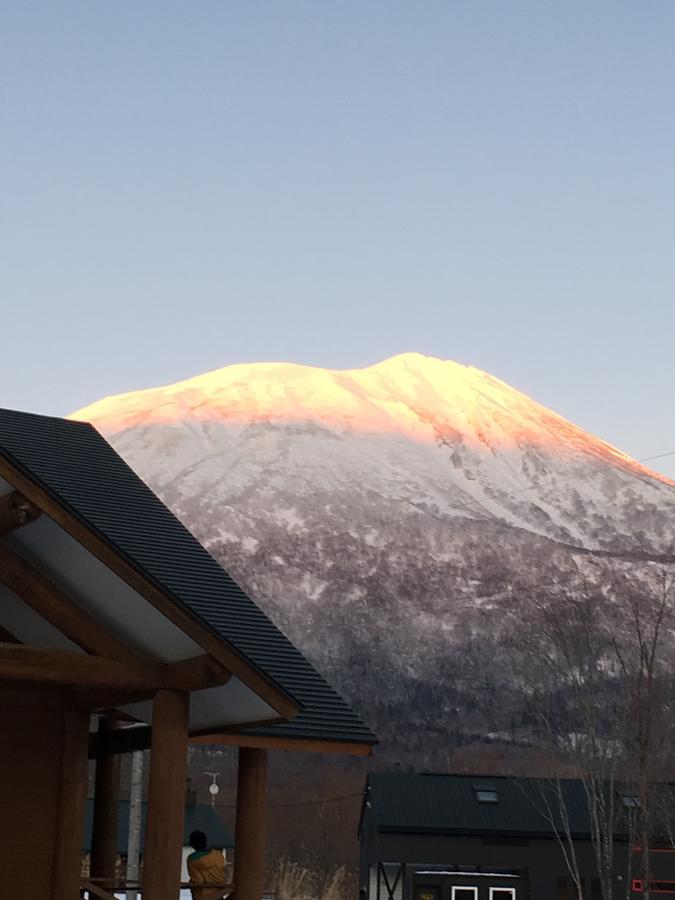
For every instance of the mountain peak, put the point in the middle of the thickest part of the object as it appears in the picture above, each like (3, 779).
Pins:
(413, 397)
(413, 360)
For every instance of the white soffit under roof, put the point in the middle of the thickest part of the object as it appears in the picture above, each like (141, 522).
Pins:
(124, 612)
(29, 627)
(217, 707)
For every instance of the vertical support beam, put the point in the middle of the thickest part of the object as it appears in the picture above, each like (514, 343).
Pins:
(249, 840)
(106, 809)
(73, 798)
(166, 796)
(135, 816)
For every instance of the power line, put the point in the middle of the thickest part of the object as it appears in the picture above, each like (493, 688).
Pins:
(658, 456)
(555, 481)
(314, 802)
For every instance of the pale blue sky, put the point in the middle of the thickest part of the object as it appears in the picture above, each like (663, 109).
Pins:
(190, 184)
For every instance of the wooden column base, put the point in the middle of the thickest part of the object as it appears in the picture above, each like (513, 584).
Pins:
(70, 833)
(166, 796)
(249, 841)
(106, 809)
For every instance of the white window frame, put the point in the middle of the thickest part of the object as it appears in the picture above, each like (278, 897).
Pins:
(464, 887)
(511, 891)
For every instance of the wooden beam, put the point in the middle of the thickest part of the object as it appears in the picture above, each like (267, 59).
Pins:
(166, 797)
(20, 662)
(57, 608)
(214, 645)
(15, 511)
(249, 839)
(106, 700)
(31, 664)
(127, 740)
(194, 674)
(197, 673)
(132, 887)
(268, 742)
(69, 836)
(106, 810)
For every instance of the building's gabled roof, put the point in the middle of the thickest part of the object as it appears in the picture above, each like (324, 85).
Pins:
(76, 467)
(198, 817)
(451, 804)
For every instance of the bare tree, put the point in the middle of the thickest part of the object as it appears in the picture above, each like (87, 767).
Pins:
(643, 643)
(574, 710)
(596, 668)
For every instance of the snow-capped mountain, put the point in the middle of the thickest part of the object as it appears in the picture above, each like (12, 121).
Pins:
(384, 516)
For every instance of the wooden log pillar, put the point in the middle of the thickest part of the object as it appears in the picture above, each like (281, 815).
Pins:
(249, 839)
(106, 809)
(166, 796)
(73, 800)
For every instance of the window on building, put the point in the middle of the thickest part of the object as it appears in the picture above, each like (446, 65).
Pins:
(485, 791)
(464, 892)
(502, 893)
(630, 801)
(485, 795)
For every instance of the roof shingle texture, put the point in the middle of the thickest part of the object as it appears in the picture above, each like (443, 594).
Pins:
(78, 467)
(447, 804)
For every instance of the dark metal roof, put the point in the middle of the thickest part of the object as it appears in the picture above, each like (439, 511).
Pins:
(448, 804)
(198, 817)
(77, 466)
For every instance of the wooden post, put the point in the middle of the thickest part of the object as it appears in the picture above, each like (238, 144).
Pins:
(106, 810)
(135, 820)
(166, 796)
(73, 799)
(249, 840)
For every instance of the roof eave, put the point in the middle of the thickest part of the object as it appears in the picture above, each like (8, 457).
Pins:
(110, 555)
(284, 742)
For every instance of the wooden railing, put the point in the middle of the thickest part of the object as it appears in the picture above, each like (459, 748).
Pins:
(105, 889)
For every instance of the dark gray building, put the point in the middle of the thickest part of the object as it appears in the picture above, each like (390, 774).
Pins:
(458, 837)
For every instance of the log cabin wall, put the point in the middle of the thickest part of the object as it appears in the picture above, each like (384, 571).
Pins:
(30, 779)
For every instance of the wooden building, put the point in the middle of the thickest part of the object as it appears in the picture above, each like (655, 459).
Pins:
(111, 612)
(458, 837)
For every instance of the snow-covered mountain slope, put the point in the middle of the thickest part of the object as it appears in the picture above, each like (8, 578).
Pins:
(383, 516)
(444, 438)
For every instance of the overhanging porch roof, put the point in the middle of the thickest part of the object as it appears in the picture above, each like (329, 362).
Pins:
(108, 542)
